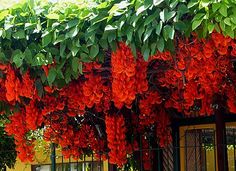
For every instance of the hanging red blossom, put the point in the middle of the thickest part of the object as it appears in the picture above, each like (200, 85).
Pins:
(33, 116)
(115, 129)
(17, 127)
(123, 76)
(162, 130)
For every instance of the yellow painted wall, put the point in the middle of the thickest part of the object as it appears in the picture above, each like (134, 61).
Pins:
(210, 154)
(43, 158)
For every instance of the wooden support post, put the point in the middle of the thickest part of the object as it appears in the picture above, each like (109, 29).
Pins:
(112, 167)
(53, 157)
(176, 148)
(222, 159)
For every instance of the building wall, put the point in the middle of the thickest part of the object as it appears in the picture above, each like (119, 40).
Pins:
(43, 158)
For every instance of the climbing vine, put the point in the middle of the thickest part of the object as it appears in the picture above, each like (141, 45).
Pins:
(104, 77)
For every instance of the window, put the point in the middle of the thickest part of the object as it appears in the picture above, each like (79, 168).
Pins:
(198, 150)
(80, 166)
(231, 146)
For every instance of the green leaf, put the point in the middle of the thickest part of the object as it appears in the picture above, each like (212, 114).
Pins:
(51, 76)
(72, 33)
(1, 32)
(223, 10)
(204, 3)
(192, 3)
(227, 21)
(182, 9)
(173, 4)
(147, 34)
(49, 58)
(163, 15)
(81, 68)
(111, 37)
(170, 15)
(222, 25)
(196, 23)
(140, 32)
(39, 87)
(113, 45)
(18, 59)
(72, 23)
(141, 9)
(59, 39)
(103, 43)
(28, 56)
(19, 34)
(133, 49)
(160, 44)
(94, 51)
(53, 16)
(39, 59)
(153, 48)
(229, 32)
(168, 32)
(146, 54)
(150, 18)
(3, 57)
(62, 49)
(157, 2)
(68, 75)
(85, 49)
(215, 7)
(74, 50)
(211, 27)
(181, 26)
(46, 38)
(3, 14)
(158, 28)
(110, 27)
(217, 27)
(129, 33)
(233, 19)
(199, 16)
(75, 64)
(29, 26)
(8, 26)
(169, 45)
(84, 57)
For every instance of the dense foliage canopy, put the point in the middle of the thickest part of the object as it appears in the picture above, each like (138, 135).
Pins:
(110, 76)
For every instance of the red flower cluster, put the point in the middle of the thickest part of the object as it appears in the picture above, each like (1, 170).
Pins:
(197, 72)
(92, 90)
(147, 107)
(52, 103)
(115, 129)
(128, 76)
(16, 88)
(18, 128)
(186, 81)
(162, 130)
(141, 75)
(12, 85)
(123, 76)
(33, 116)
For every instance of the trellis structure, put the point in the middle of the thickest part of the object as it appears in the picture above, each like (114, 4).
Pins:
(194, 148)
(111, 78)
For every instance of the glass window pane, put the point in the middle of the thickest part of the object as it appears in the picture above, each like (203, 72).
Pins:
(200, 150)
(231, 147)
(80, 166)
